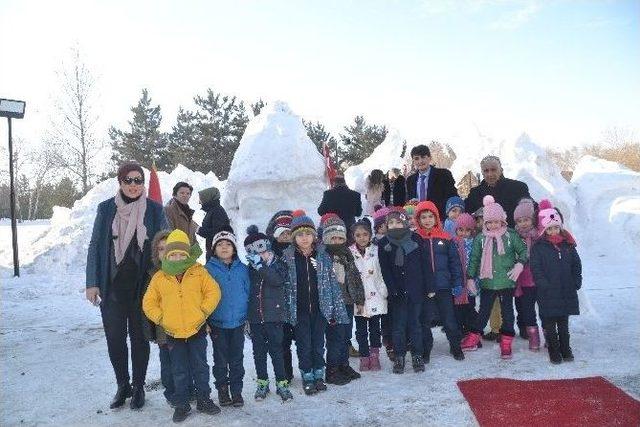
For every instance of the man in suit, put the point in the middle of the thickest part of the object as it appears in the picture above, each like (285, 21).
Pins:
(429, 182)
(343, 201)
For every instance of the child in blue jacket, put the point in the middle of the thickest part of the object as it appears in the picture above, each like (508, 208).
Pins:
(228, 319)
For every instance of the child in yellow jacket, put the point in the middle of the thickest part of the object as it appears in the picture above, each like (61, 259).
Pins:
(179, 298)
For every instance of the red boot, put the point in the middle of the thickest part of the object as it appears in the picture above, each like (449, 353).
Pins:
(505, 346)
(534, 338)
(470, 342)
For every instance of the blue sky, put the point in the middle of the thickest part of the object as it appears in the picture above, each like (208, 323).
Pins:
(563, 71)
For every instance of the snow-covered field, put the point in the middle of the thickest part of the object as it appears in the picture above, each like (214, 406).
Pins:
(54, 367)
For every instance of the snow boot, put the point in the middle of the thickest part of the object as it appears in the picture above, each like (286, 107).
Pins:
(124, 391)
(207, 406)
(365, 363)
(534, 338)
(349, 372)
(223, 395)
(374, 359)
(456, 352)
(553, 346)
(470, 342)
(237, 401)
(282, 389)
(336, 376)
(319, 375)
(390, 353)
(398, 365)
(308, 383)
(181, 412)
(563, 338)
(353, 352)
(262, 390)
(505, 346)
(137, 397)
(418, 363)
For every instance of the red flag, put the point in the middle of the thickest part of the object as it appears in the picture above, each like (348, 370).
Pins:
(328, 164)
(154, 185)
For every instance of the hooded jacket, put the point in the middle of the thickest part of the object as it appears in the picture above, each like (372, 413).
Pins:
(236, 286)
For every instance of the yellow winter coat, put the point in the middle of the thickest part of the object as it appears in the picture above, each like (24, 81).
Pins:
(181, 308)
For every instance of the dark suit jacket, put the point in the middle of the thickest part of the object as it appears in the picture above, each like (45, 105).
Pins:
(342, 201)
(441, 187)
(507, 192)
(399, 192)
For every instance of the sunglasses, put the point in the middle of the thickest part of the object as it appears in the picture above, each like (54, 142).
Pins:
(137, 180)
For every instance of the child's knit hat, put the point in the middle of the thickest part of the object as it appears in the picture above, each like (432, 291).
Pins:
(525, 209)
(453, 202)
(283, 223)
(548, 216)
(333, 226)
(410, 207)
(224, 235)
(398, 214)
(465, 220)
(493, 211)
(256, 242)
(380, 216)
(178, 242)
(301, 222)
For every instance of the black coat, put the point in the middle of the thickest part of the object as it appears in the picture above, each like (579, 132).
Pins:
(412, 278)
(266, 301)
(441, 186)
(558, 276)
(399, 192)
(507, 192)
(342, 201)
(215, 220)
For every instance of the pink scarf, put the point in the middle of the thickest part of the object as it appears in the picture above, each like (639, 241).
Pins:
(486, 262)
(464, 297)
(529, 236)
(129, 219)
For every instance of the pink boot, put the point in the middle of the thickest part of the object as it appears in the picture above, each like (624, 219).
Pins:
(365, 363)
(534, 338)
(505, 347)
(374, 359)
(470, 342)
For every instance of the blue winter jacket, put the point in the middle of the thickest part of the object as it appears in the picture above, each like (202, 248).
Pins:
(100, 255)
(443, 263)
(332, 305)
(235, 286)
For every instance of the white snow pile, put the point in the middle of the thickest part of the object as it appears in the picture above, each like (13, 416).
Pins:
(275, 167)
(63, 247)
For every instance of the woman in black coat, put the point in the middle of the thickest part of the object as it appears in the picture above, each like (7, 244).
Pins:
(394, 193)
(557, 272)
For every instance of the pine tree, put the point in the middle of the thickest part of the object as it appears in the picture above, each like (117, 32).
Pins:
(257, 106)
(359, 140)
(144, 142)
(319, 136)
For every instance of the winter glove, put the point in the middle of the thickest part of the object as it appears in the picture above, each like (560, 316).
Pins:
(457, 291)
(359, 309)
(431, 294)
(471, 286)
(254, 261)
(515, 271)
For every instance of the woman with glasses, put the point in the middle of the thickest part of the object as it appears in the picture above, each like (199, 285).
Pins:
(118, 259)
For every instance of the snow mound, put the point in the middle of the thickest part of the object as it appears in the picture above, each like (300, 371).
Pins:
(63, 247)
(387, 155)
(275, 167)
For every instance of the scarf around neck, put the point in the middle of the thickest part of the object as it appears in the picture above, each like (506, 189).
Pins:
(175, 268)
(528, 235)
(129, 220)
(486, 262)
(401, 237)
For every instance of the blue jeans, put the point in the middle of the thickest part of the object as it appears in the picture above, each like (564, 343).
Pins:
(188, 365)
(527, 312)
(228, 346)
(406, 318)
(166, 375)
(487, 297)
(267, 337)
(368, 333)
(309, 332)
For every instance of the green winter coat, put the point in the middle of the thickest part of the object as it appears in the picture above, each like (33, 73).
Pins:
(515, 250)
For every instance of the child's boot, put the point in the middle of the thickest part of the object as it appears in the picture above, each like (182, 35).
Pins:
(283, 390)
(398, 365)
(181, 413)
(418, 363)
(390, 354)
(553, 345)
(223, 395)
(237, 401)
(349, 372)
(563, 338)
(318, 374)
(365, 363)
(505, 346)
(456, 352)
(374, 359)
(207, 406)
(353, 352)
(470, 342)
(534, 338)
(262, 390)
(336, 376)
(309, 383)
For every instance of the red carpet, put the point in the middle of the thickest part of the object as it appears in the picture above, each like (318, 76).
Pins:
(571, 402)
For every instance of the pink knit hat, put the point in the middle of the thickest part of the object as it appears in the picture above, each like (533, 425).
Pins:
(380, 216)
(493, 211)
(548, 216)
(525, 209)
(465, 220)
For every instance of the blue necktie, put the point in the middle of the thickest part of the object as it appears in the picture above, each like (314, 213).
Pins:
(421, 195)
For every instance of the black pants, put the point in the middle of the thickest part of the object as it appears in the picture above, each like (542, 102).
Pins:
(466, 315)
(487, 297)
(368, 333)
(120, 315)
(556, 330)
(387, 326)
(407, 317)
(228, 346)
(527, 311)
(309, 330)
(267, 338)
(442, 302)
(287, 338)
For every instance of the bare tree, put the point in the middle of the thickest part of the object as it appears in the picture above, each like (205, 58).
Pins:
(72, 130)
(43, 165)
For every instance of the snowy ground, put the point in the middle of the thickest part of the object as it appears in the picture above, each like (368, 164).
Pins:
(54, 367)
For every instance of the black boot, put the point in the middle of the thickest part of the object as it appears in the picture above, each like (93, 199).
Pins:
(207, 406)
(336, 376)
(137, 397)
(181, 412)
(553, 345)
(124, 391)
(426, 357)
(237, 401)
(418, 363)
(349, 372)
(563, 338)
(224, 399)
(390, 354)
(456, 352)
(288, 364)
(398, 365)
